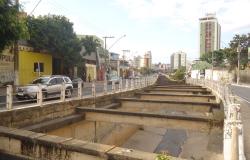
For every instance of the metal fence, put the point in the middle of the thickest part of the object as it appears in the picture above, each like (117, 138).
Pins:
(9, 98)
(233, 127)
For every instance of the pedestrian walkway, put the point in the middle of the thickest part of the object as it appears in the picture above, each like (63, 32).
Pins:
(245, 113)
(242, 85)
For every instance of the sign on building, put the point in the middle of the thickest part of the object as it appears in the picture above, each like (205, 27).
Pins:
(6, 67)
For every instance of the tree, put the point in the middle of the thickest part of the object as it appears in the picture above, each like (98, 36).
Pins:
(12, 25)
(179, 74)
(90, 44)
(201, 65)
(244, 41)
(218, 58)
(54, 34)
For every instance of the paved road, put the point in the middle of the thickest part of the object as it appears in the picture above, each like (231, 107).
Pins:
(243, 92)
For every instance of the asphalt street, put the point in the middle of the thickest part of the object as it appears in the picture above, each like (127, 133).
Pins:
(241, 91)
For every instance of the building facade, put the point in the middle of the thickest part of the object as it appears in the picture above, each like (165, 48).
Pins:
(148, 59)
(138, 62)
(178, 60)
(210, 34)
(33, 65)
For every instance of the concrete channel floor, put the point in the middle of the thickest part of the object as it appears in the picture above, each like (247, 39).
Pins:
(178, 143)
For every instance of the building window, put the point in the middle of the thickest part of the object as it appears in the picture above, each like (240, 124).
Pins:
(38, 67)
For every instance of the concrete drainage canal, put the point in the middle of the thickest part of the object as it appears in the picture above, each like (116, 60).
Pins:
(179, 120)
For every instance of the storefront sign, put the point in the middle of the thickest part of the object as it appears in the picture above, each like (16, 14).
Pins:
(6, 67)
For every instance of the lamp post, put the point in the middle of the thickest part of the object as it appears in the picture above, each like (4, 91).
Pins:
(111, 47)
(123, 60)
(105, 46)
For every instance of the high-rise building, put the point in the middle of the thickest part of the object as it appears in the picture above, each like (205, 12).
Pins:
(210, 34)
(178, 60)
(138, 62)
(148, 59)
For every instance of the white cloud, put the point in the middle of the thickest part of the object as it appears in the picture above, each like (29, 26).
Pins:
(232, 14)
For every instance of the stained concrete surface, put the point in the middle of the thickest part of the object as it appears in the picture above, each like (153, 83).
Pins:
(172, 142)
(178, 143)
(144, 140)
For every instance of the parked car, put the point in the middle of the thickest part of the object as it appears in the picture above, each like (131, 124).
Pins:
(75, 82)
(116, 80)
(50, 85)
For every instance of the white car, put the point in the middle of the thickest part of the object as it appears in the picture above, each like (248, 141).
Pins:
(50, 85)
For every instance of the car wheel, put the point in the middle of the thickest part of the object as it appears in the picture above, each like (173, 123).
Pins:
(68, 92)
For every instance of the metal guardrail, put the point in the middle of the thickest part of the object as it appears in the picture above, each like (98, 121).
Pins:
(8, 100)
(233, 127)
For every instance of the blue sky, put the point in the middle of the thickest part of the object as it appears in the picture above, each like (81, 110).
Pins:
(162, 26)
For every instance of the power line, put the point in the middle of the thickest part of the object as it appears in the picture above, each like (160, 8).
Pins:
(35, 7)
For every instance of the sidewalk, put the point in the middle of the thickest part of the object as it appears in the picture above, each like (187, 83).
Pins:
(245, 114)
(89, 84)
(241, 85)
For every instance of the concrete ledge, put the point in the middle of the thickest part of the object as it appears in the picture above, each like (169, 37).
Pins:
(177, 116)
(54, 124)
(169, 94)
(111, 106)
(200, 90)
(214, 105)
(178, 86)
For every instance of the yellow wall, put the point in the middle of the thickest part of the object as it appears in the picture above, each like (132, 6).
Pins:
(26, 65)
(91, 70)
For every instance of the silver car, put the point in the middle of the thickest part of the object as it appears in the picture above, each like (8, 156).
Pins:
(50, 85)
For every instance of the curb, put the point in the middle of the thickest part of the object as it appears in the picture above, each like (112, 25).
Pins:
(241, 85)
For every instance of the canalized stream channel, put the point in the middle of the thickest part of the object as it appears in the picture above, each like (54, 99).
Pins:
(183, 142)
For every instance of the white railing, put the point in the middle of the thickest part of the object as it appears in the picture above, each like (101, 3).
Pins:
(233, 127)
(9, 100)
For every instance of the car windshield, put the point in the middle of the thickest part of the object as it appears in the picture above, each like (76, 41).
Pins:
(40, 81)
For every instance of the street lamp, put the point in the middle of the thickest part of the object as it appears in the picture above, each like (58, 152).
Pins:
(117, 41)
(111, 47)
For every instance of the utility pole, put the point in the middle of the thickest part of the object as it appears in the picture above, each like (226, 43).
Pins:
(16, 52)
(123, 58)
(238, 70)
(105, 46)
(212, 74)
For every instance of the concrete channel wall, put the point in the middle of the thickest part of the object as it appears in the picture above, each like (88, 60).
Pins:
(233, 142)
(30, 145)
(22, 117)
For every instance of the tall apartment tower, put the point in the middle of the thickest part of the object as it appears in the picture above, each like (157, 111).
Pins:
(148, 59)
(178, 60)
(210, 34)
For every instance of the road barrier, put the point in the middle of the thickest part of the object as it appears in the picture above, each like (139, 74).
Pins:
(40, 96)
(233, 127)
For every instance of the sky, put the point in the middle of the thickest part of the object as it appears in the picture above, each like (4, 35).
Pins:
(160, 26)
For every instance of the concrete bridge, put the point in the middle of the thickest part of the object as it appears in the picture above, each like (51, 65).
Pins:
(100, 127)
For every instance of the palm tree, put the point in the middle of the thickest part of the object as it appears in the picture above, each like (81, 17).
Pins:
(89, 46)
